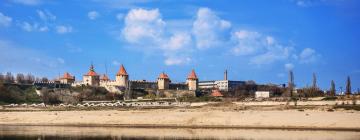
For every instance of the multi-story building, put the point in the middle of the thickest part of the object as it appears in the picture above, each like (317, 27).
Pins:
(223, 85)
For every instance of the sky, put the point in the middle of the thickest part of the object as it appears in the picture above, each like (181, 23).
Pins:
(256, 40)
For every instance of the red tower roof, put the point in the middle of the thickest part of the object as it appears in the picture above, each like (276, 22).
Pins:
(104, 77)
(216, 93)
(67, 76)
(192, 75)
(163, 76)
(91, 71)
(122, 71)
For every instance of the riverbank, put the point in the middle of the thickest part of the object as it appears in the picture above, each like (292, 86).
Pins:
(207, 117)
(114, 133)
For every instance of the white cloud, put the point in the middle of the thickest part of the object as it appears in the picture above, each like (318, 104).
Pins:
(289, 66)
(143, 25)
(270, 40)
(146, 30)
(261, 49)
(178, 41)
(45, 15)
(301, 3)
(47, 19)
(27, 2)
(272, 54)
(62, 29)
(208, 28)
(121, 4)
(308, 55)
(5, 20)
(35, 27)
(29, 27)
(310, 3)
(44, 29)
(246, 42)
(93, 15)
(177, 60)
(177, 49)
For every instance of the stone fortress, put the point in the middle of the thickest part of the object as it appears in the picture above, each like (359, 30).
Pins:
(121, 84)
(162, 85)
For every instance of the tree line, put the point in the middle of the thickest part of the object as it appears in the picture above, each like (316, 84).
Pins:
(314, 90)
(290, 90)
(20, 78)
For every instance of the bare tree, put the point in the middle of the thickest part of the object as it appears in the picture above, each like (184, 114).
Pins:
(44, 79)
(2, 78)
(332, 88)
(20, 78)
(314, 81)
(9, 78)
(348, 86)
(29, 79)
(291, 84)
(314, 90)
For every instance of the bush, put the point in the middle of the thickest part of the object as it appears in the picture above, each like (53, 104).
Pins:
(329, 98)
(10, 93)
(150, 96)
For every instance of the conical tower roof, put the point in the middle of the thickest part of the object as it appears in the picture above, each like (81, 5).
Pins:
(192, 75)
(121, 71)
(163, 76)
(67, 76)
(104, 77)
(91, 71)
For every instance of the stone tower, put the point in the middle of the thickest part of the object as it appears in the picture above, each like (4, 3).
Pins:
(163, 81)
(104, 78)
(91, 78)
(67, 78)
(122, 77)
(192, 81)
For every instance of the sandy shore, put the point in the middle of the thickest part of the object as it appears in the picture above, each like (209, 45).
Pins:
(308, 119)
(39, 132)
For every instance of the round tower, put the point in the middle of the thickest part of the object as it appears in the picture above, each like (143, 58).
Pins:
(192, 81)
(122, 77)
(163, 81)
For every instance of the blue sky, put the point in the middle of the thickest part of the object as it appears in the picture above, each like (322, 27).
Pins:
(256, 40)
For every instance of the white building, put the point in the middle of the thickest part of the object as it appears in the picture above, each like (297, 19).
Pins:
(262, 94)
(223, 85)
